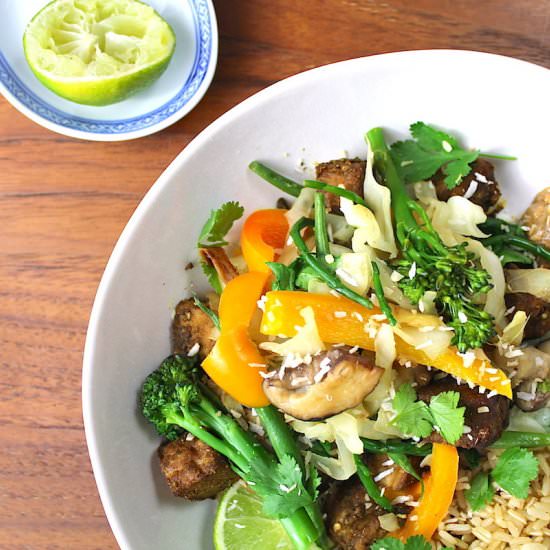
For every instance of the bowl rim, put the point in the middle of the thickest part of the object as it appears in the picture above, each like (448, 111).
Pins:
(158, 187)
(191, 91)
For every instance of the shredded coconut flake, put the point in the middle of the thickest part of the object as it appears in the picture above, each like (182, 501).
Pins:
(194, 350)
(472, 188)
(383, 474)
(446, 147)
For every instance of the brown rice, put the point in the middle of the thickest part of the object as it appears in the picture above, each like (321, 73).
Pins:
(507, 522)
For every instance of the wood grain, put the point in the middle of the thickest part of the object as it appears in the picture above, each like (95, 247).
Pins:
(64, 202)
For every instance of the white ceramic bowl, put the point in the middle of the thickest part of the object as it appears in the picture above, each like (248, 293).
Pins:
(171, 97)
(496, 103)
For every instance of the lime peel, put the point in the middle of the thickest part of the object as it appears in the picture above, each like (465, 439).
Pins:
(98, 53)
(241, 525)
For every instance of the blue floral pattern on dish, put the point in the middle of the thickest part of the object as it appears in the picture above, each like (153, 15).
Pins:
(203, 49)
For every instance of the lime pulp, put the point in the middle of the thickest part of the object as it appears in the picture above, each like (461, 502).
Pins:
(98, 53)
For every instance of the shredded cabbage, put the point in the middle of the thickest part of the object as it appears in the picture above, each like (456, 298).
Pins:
(425, 332)
(342, 232)
(532, 281)
(536, 421)
(367, 228)
(384, 346)
(454, 219)
(340, 468)
(513, 331)
(392, 291)
(494, 303)
(306, 341)
(303, 206)
(358, 266)
(378, 199)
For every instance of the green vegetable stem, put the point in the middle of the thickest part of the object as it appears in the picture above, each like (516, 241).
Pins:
(427, 264)
(276, 179)
(174, 400)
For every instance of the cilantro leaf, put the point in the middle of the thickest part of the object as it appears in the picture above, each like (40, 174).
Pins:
(388, 543)
(205, 309)
(285, 276)
(212, 276)
(412, 417)
(432, 149)
(314, 481)
(480, 492)
(219, 223)
(515, 470)
(431, 139)
(448, 417)
(281, 489)
(417, 542)
(418, 419)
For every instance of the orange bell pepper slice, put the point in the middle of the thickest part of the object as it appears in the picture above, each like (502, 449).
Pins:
(234, 364)
(282, 315)
(239, 298)
(264, 232)
(439, 489)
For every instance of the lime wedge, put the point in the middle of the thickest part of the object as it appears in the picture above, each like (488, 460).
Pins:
(98, 53)
(241, 525)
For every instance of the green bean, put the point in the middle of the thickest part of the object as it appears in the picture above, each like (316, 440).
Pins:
(521, 439)
(281, 182)
(496, 226)
(322, 244)
(519, 242)
(396, 446)
(379, 291)
(319, 267)
(370, 485)
(339, 191)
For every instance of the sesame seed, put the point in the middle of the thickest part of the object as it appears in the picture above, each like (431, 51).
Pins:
(412, 271)
(482, 410)
(340, 314)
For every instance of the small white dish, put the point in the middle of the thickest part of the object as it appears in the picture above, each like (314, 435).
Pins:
(171, 97)
(498, 104)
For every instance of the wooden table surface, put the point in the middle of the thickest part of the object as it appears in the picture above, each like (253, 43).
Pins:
(63, 203)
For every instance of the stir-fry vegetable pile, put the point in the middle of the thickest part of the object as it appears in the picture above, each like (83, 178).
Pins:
(365, 334)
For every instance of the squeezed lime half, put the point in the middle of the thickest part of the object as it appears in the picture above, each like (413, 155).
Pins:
(241, 525)
(98, 52)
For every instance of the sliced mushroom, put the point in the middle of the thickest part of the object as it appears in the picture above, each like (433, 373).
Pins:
(333, 381)
(218, 259)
